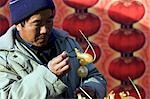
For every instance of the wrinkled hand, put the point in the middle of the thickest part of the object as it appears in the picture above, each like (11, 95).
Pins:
(88, 90)
(59, 65)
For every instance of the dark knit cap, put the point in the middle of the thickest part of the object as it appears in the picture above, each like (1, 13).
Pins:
(21, 9)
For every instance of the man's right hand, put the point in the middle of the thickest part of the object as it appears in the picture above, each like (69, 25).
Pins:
(60, 64)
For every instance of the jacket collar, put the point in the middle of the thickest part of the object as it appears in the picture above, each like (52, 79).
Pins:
(7, 40)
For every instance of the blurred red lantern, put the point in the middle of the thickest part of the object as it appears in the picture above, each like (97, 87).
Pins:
(4, 24)
(128, 92)
(126, 12)
(3, 2)
(96, 48)
(80, 4)
(126, 40)
(124, 67)
(88, 23)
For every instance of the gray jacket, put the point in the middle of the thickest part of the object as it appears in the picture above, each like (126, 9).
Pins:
(23, 76)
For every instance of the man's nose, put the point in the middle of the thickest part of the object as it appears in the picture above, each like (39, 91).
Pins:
(43, 29)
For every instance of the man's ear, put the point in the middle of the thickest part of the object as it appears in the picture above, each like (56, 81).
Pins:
(19, 27)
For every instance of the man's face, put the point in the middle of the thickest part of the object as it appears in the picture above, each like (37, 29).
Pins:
(36, 29)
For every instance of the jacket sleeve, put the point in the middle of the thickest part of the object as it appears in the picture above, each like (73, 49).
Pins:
(38, 84)
(95, 79)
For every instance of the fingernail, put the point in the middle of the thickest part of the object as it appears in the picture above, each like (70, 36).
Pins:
(64, 54)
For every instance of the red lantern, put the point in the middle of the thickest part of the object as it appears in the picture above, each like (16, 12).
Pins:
(4, 24)
(126, 40)
(128, 92)
(96, 48)
(124, 67)
(80, 4)
(88, 23)
(126, 12)
(3, 2)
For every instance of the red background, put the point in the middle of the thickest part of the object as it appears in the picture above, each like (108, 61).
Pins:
(101, 38)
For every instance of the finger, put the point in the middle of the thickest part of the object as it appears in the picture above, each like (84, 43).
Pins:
(64, 54)
(62, 71)
(62, 63)
(65, 68)
(60, 57)
(61, 67)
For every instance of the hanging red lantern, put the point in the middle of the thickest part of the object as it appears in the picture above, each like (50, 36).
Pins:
(124, 67)
(126, 40)
(3, 2)
(80, 4)
(4, 24)
(96, 48)
(88, 23)
(127, 92)
(126, 11)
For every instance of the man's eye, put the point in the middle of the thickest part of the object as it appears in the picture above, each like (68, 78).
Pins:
(37, 24)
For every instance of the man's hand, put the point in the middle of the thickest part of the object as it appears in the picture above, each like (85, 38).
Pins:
(59, 65)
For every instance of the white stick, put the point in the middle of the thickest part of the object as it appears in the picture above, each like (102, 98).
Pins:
(85, 93)
(89, 44)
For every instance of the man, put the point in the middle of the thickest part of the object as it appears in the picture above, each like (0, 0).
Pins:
(38, 61)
